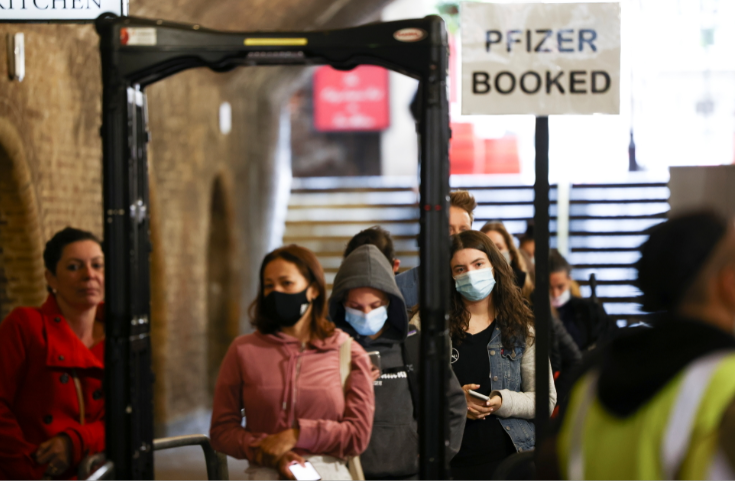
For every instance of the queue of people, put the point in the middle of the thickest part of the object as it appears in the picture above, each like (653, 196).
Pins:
(658, 402)
(333, 379)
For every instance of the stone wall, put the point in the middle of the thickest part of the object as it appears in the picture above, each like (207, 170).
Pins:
(214, 197)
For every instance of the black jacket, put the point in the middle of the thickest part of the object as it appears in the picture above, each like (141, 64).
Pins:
(393, 449)
(636, 366)
(586, 321)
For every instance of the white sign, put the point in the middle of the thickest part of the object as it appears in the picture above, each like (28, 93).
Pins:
(59, 10)
(540, 58)
(138, 36)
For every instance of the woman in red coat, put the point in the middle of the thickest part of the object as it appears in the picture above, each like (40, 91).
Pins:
(51, 367)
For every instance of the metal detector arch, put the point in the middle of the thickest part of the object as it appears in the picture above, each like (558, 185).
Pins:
(137, 52)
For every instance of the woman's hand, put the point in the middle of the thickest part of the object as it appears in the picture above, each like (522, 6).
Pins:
(479, 409)
(286, 461)
(56, 452)
(374, 373)
(270, 450)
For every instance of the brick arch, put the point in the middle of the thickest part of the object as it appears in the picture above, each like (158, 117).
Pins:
(159, 314)
(21, 242)
(223, 294)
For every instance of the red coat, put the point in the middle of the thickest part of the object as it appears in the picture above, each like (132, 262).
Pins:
(40, 360)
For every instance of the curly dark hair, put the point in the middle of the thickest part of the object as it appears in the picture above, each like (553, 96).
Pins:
(512, 314)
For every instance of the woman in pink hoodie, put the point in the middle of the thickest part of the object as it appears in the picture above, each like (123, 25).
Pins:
(286, 377)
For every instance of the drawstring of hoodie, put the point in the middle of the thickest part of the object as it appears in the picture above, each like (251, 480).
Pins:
(291, 377)
(288, 377)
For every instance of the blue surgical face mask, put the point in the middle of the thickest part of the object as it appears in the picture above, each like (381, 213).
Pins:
(475, 285)
(366, 324)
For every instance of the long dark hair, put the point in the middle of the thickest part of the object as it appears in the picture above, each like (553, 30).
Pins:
(513, 317)
(310, 269)
(516, 260)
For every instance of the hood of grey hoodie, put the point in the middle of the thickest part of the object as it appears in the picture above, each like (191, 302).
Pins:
(368, 267)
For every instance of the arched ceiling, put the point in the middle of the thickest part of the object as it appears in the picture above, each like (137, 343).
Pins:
(252, 15)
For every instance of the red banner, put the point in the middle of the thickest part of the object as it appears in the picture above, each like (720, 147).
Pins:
(356, 100)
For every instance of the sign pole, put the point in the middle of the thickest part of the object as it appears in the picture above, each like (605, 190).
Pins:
(541, 304)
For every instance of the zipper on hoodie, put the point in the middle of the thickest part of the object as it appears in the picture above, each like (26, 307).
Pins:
(295, 386)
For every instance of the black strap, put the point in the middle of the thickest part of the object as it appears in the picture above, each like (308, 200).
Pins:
(410, 351)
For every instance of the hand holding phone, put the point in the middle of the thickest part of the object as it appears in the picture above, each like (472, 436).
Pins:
(305, 472)
(480, 406)
(375, 360)
(479, 395)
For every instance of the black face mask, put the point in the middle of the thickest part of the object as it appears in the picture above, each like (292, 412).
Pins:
(286, 308)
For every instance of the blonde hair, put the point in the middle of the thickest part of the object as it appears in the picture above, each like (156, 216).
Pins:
(516, 260)
(463, 200)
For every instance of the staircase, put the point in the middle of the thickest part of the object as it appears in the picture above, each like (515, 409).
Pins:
(607, 225)
(325, 213)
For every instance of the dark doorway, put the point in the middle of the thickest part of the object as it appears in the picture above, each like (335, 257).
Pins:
(222, 297)
(21, 260)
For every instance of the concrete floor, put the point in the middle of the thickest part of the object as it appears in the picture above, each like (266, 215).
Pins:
(187, 463)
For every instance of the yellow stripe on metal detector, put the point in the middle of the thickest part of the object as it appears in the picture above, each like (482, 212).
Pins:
(260, 42)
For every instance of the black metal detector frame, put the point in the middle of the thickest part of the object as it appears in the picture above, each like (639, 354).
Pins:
(165, 49)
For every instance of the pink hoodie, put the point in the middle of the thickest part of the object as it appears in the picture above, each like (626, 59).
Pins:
(282, 384)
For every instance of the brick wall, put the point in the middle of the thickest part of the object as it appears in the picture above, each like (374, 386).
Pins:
(50, 177)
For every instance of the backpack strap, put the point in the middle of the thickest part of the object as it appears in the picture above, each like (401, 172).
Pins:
(345, 363)
(410, 350)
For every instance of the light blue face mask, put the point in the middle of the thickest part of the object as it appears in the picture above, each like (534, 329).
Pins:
(475, 285)
(366, 324)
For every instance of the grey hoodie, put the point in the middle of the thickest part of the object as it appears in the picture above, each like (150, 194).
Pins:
(393, 448)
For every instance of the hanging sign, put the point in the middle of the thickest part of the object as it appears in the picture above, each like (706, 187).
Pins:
(356, 100)
(59, 10)
(540, 58)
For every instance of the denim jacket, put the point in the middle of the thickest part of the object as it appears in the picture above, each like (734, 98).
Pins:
(512, 376)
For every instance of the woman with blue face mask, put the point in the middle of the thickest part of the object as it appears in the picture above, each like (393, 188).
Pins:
(367, 304)
(493, 356)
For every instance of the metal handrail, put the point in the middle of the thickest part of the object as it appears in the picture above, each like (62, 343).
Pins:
(105, 472)
(216, 462)
(84, 471)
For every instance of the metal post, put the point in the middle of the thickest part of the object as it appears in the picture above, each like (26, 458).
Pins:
(128, 378)
(563, 195)
(541, 304)
(434, 271)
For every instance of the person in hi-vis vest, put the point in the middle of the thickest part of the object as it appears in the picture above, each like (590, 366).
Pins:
(658, 402)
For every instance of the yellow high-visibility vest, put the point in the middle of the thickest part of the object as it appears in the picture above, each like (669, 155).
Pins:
(673, 436)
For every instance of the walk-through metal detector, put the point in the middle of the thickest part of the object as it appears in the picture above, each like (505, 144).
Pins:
(137, 52)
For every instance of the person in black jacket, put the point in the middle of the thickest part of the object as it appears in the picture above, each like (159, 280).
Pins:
(584, 319)
(367, 304)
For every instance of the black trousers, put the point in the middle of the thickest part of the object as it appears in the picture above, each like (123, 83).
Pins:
(482, 471)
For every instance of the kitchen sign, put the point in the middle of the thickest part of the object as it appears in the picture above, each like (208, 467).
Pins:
(540, 58)
(59, 10)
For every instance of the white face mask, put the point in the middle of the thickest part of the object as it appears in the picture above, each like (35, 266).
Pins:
(562, 299)
(506, 255)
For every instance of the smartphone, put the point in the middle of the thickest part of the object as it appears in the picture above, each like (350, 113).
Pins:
(479, 395)
(304, 473)
(375, 360)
